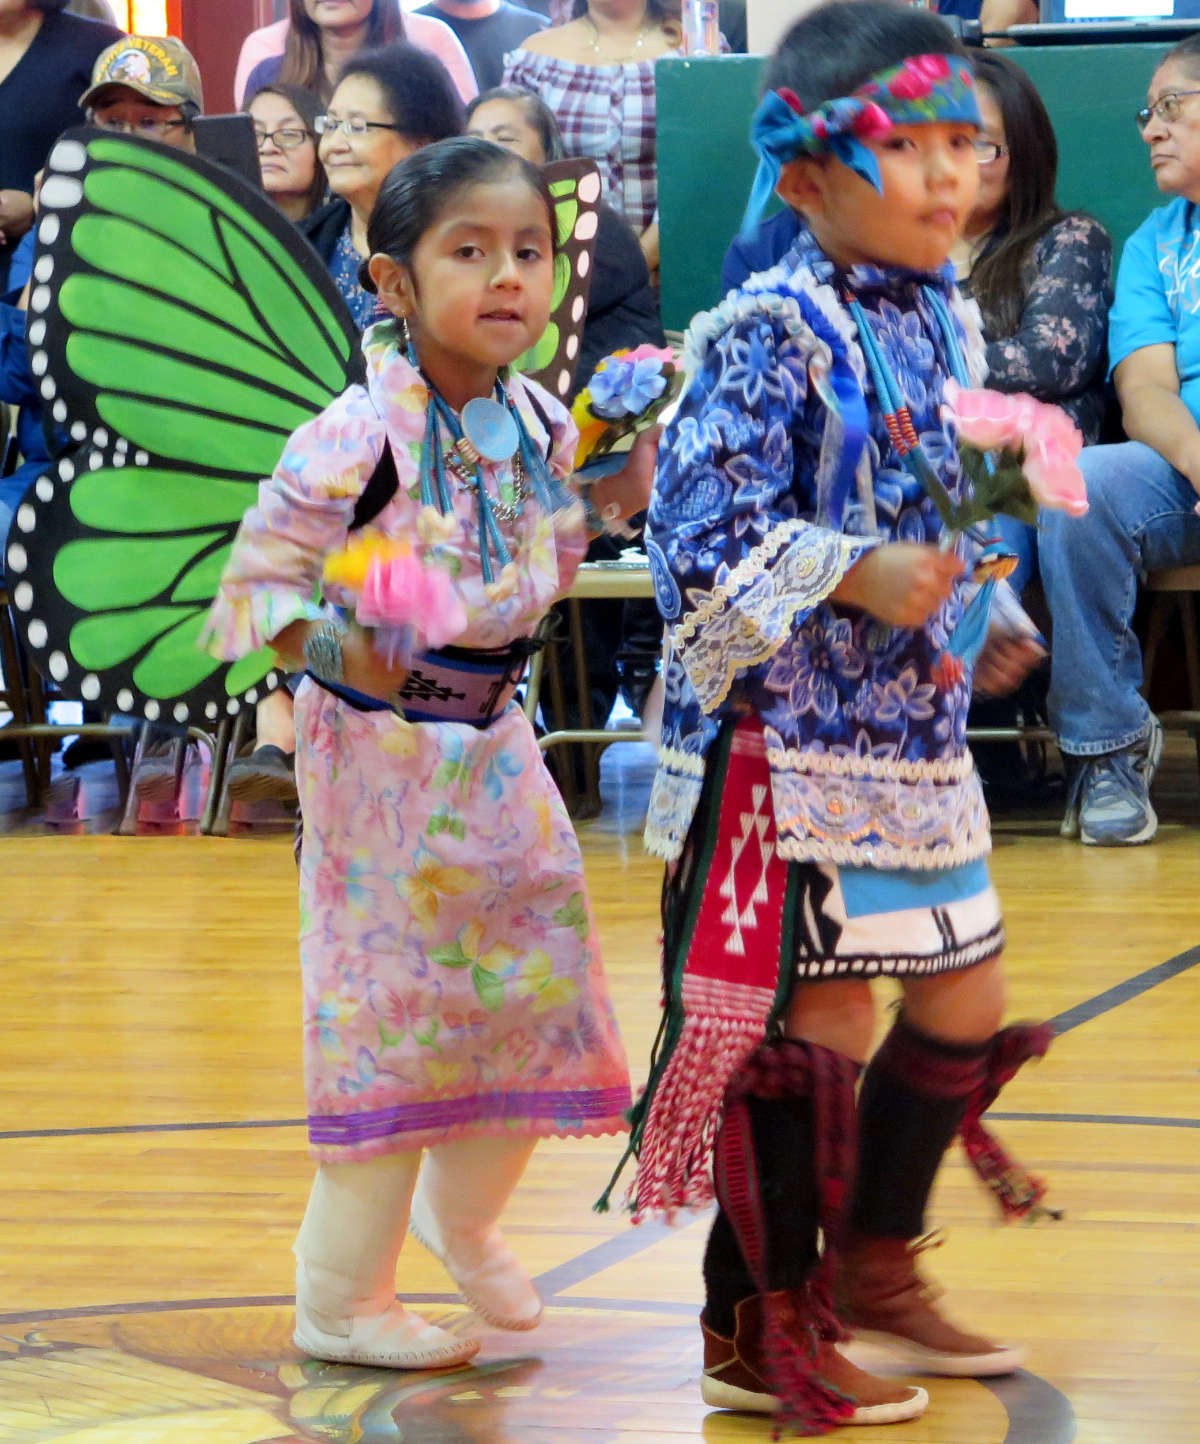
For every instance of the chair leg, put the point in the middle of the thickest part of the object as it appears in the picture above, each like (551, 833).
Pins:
(17, 697)
(591, 753)
(241, 726)
(1191, 648)
(1156, 626)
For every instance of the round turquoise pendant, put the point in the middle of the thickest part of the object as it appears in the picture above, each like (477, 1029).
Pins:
(490, 428)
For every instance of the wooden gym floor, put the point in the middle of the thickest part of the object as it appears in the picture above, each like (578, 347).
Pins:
(153, 1168)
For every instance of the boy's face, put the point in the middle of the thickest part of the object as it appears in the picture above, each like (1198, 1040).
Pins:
(930, 180)
(119, 108)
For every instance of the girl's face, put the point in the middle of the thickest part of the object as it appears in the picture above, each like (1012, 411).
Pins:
(505, 123)
(993, 174)
(338, 14)
(287, 151)
(930, 179)
(477, 292)
(357, 164)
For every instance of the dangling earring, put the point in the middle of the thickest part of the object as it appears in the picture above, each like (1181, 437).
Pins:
(405, 334)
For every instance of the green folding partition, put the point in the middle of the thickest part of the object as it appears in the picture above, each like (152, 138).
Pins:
(705, 164)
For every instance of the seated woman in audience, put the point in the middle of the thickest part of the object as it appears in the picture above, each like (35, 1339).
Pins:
(388, 104)
(1143, 492)
(1041, 276)
(285, 120)
(622, 311)
(46, 60)
(596, 73)
(285, 123)
(312, 45)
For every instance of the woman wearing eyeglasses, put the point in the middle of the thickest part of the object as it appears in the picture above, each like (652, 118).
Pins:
(388, 104)
(1041, 275)
(285, 118)
(1143, 492)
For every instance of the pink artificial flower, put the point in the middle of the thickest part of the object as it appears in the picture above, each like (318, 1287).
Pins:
(646, 352)
(872, 121)
(986, 419)
(819, 127)
(1046, 435)
(402, 593)
(1052, 471)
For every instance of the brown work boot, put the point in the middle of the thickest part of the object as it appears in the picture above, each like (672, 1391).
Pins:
(834, 1393)
(880, 1297)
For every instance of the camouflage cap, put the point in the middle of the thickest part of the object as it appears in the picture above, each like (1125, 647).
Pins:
(158, 68)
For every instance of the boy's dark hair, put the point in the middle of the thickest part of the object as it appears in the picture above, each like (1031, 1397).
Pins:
(831, 51)
(418, 189)
(1029, 209)
(416, 88)
(537, 113)
(1187, 52)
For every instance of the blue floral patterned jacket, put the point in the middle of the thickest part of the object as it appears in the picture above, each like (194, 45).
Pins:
(774, 477)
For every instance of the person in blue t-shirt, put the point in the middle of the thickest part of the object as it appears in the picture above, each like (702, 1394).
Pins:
(1143, 492)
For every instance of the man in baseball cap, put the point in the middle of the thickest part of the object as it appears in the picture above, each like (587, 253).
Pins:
(146, 85)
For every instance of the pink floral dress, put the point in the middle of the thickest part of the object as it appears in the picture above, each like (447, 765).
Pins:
(451, 974)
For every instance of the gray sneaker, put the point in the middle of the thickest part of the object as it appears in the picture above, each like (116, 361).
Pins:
(1109, 800)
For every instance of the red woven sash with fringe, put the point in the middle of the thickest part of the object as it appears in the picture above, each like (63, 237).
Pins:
(724, 984)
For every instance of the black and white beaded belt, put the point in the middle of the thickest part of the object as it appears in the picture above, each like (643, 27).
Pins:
(452, 684)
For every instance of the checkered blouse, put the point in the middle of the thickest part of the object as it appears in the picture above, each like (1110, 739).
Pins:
(605, 112)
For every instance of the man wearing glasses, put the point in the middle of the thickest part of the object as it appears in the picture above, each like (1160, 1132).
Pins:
(1143, 492)
(146, 86)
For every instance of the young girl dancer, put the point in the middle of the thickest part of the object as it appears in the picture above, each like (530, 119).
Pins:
(815, 800)
(454, 1001)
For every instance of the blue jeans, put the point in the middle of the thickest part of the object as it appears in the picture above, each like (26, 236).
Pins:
(1140, 518)
(1023, 539)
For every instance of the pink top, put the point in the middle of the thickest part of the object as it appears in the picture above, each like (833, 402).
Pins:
(422, 30)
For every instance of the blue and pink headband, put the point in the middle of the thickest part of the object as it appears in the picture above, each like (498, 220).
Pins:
(921, 90)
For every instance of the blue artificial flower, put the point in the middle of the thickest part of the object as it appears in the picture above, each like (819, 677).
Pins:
(626, 387)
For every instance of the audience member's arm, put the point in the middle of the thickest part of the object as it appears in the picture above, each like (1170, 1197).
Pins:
(1059, 343)
(1153, 410)
(1000, 14)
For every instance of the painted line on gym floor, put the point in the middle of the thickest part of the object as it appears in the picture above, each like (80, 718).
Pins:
(1125, 1119)
(1085, 1012)
(1038, 1412)
(107, 1130)
(606, 1254)
(1124, 992)
(1131, 1119)
(288, 1301)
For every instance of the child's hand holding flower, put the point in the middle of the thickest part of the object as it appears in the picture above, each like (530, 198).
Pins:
(626, 395)
(408, 603)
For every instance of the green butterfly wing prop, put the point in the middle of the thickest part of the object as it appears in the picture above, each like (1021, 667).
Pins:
(575, 187)
(181, 329)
